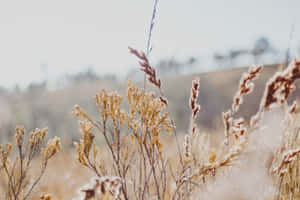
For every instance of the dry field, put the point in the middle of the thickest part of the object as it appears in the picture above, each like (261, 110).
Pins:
(130, 147)
(41, 107)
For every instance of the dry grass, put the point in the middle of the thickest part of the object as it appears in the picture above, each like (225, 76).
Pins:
(129, 147)
(141, 156)
(144, 169)
(16, 181)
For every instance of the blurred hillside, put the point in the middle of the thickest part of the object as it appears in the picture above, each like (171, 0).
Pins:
(37, 106)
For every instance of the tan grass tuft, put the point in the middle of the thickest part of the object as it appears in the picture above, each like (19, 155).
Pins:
(19, 184)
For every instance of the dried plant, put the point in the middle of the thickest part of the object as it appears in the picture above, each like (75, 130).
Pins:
(137, 159)
(246, 86)
(193, 103)
(285, 160)
(19, 182)
(281, 85)
(103, 188)
(194, 171)
(130, 149)
(146, 67)
(278, 89)
(46, 197)
(146, 119)
(182, 181)
(133, 139)
(87, 149)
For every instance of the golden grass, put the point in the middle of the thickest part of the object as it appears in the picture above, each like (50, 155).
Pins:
(145, 119)
(142, 156)
(17, 182)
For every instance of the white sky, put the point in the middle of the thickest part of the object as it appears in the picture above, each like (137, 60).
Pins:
(68, 35)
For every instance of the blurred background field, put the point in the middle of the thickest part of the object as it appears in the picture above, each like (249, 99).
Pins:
(38, 106)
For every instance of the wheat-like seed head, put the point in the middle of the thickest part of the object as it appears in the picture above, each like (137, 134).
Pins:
(146, 68)
(227, 120)
(246, 86)
(193, 98)
(281, 85)
(187, 148)
(287, 158)
(293, 108)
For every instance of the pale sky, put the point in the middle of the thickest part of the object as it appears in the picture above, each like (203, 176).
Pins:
(69, 35)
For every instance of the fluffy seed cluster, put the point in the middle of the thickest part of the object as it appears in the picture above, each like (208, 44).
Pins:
(52, 147)
(46, 197)
(146, 111)
(106, 187)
